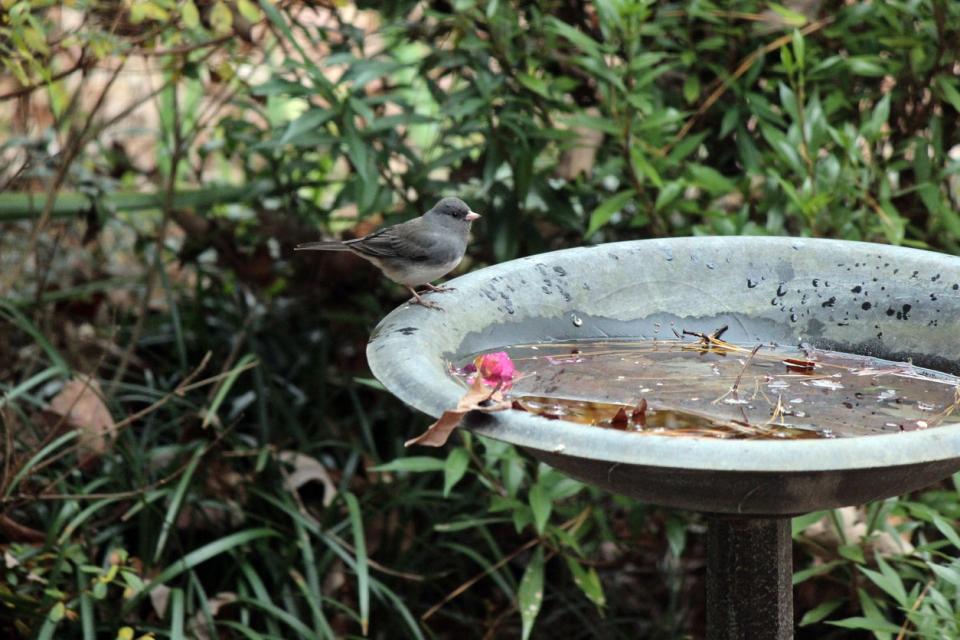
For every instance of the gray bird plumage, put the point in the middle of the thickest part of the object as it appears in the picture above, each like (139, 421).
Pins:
(415, 252)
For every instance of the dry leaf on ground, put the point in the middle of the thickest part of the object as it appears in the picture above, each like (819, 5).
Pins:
(160, 599)
(81, 403)
(306, 469)
(197, 625)
(853, 520)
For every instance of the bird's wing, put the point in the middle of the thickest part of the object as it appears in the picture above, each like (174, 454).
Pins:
(323, 245)
(406, 240)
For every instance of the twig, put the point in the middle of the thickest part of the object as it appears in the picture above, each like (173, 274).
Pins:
(159, 243)
(120, 495)
(656, 220)
(916, 605)
(182, 49)
(24, 90)
(71, 150)
(178, 391)
(491, 633)
(572, 523)
(413, 577)
(741, 69)
(736, 384)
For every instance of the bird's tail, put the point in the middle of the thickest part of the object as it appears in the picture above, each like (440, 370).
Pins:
(323, 245)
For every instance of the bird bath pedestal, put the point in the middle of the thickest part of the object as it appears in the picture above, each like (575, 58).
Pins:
(889, 302)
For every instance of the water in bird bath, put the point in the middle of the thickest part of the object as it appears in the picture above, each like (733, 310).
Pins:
(711, 388)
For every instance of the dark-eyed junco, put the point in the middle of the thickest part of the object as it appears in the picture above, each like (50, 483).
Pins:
(415, 252)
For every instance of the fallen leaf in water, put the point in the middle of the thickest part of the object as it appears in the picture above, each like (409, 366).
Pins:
(639, 415)
(799, 366)
(81, 403)
(478, 398)
(620, 420)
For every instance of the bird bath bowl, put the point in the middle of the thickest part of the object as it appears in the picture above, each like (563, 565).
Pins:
(875, 300)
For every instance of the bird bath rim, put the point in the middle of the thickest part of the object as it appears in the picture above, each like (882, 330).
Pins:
(410, 348)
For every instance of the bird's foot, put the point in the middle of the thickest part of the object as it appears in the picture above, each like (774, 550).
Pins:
(437, 289)
(425, 303)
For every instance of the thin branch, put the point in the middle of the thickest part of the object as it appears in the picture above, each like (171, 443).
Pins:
(73, 147)
(741, 69)
(81, 63)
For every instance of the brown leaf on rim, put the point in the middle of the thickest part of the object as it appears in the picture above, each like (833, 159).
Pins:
(477, 398)
(81, 403)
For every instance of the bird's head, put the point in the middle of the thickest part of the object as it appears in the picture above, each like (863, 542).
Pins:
(453, 210)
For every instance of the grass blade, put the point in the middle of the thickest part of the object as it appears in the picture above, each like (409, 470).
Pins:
(310, 587)
(210, 413)
(363, 570)
(176, 614)
(530, 596)
(260, 591)
(28, 384)
(176, 501)
(15, 317)
(199, 556)
(302, 631)
(86, 609)
(37, 457)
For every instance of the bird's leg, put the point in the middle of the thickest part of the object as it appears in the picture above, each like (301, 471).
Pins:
(426, 303)
(437, 289)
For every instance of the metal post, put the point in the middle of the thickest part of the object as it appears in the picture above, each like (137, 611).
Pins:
(749, 579)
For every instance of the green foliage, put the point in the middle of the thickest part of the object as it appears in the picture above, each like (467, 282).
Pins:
(563, 123)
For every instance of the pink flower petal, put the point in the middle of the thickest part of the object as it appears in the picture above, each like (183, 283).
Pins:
(496, 369)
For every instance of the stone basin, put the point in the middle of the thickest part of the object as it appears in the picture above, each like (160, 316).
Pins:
(890, 302)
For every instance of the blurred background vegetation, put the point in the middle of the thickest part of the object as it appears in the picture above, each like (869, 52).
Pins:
(192, 443)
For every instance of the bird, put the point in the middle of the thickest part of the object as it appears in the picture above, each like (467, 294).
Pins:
(415, 252)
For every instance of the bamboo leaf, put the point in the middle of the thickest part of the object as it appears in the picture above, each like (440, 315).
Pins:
(530, 594)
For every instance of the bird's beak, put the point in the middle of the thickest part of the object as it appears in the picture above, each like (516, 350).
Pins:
(470, 217)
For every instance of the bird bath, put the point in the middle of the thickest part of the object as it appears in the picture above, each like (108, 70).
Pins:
(876, 300)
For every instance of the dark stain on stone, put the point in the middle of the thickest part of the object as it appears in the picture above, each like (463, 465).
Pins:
(866, 306)
(857, 289)
(407, 331)
(829, 303)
